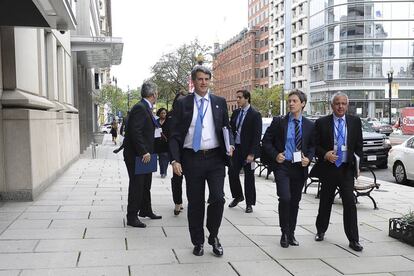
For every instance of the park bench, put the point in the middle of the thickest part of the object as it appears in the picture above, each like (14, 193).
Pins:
(362, 187)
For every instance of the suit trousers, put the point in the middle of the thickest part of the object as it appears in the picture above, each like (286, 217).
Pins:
(199, 167)
(289, 183)
(177, 188)
(342, 177)
(139, 195)
(238, 162)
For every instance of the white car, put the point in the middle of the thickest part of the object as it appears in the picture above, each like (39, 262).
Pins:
(401, 161)
(106, 128)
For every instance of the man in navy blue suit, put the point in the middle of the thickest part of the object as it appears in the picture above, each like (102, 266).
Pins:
(290, 144)
(198, 151)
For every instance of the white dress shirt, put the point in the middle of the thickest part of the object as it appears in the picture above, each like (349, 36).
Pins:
(209, 138)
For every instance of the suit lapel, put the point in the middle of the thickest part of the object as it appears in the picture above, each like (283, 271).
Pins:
(331, 131)
(214, 108)
(285, 122)
(349, 128)
(189, 110)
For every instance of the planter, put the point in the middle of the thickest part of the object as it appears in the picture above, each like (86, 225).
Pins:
(401, 230)
(98, 137)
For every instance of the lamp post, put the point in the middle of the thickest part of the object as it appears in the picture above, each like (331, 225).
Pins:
(270, 110)
(390, 78)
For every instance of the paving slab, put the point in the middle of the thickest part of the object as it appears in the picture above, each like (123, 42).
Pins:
(126, 257)
(17, 246)
(370, 264)
(313, 267)
(87, 271)
(259, 268)
(69, 245)
(41, 234)
(202, 269)
(37, 260)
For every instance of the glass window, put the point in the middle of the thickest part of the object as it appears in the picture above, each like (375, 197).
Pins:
(355, 30)
(356, 12)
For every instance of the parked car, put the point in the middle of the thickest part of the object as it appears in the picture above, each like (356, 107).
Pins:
(401, 161)
(381, 127)
(105, 128)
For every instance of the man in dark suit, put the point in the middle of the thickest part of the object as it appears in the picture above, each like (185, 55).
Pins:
(290, 144)
(198, 151)
(338, 137)
(139, 141)
(246, 125)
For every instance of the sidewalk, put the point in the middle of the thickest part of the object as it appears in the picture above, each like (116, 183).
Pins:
(77, 227)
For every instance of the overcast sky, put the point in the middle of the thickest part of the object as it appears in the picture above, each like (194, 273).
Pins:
(150, 28)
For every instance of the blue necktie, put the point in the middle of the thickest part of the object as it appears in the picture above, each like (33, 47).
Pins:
(239, 119)
(339, 143)
(198, 127)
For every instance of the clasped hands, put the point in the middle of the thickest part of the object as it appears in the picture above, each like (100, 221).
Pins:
(280, 158)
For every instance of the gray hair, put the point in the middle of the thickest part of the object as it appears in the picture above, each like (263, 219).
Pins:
(339, 94)
(148, 89)
(199, 68)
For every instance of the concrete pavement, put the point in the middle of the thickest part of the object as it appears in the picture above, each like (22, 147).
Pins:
(77, 227)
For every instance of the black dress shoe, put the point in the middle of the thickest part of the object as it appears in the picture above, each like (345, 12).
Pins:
(135, 222)
(284, 241)
(217, 248)
(355, 246)
(293, 241)
(235, 202)
(249, 209)
(151, 216)
(198, 250)
(319, 236)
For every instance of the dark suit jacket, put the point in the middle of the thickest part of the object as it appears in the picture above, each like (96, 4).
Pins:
(181, 121)
(324, 140)
(139, 133)
(274, 139)
(251, 131)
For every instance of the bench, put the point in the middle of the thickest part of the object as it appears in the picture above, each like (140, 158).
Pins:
(262, 166)
(362, 187)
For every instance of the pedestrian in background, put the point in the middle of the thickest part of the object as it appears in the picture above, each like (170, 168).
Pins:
(246, 125)
(176, 180)
(199, 152)
(161, 143)
(290, 143)
(139, 142)
(338, 138)
(114, 131)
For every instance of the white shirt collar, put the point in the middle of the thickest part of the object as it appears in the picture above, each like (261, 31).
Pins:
(336, 118)
(206, 97)
(149, 103)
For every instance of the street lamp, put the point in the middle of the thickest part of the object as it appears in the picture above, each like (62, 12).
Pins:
(390, 78)
(270, 110)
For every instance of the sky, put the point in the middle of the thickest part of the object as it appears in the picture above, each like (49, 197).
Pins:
(151, 28)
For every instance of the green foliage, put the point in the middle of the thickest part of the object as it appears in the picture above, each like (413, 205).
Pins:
(267, 99)
(117, 99)
(409, 217)
(172, 70)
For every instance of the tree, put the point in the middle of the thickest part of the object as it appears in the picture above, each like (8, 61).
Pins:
(114, 97)
(267, 99)
(172, 71)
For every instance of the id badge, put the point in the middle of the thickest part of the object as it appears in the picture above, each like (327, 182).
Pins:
(297, 156)
(157, 132)
(344, 148)
(253, 165)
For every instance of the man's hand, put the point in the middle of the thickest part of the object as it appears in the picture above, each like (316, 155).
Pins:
(280, 158)
(331, 156)
(146, 158)
(250, 158)
(305, 161)
(177, 168)
(231, 151)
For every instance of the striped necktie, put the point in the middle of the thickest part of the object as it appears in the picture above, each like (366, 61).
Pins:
(298, 137)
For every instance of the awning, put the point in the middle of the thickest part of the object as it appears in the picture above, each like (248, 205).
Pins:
(100, 52)
(55, 14)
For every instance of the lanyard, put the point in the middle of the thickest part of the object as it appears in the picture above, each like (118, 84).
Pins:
(337, 136)
(200, 112)
(241, 119)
